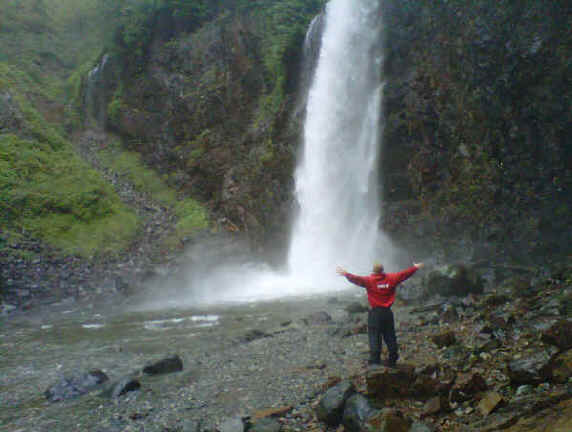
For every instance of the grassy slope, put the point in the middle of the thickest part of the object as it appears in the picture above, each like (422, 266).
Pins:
(46, 191)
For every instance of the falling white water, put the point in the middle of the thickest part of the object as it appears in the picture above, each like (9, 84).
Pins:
(336, 180)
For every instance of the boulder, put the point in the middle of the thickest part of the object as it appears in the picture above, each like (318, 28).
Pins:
(559, 335)
(74, 386)
(357, 412)
(532, 368)
(164, 366)
(121, 387)
(453, 280)
(331, 407)
(389, 383)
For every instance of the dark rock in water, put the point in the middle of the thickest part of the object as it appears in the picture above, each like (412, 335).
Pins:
(357, 412)
(444, 339)
(252, 335)
(331, 406)
(75, 386)
(559, 335)
(355, 307)
(165, 366)
(453, 280)
(266, 425)
(533, 368)
(121, 387)
(317, 318)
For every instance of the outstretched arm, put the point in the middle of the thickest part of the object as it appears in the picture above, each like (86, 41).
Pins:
(405, 274)
(357, 280)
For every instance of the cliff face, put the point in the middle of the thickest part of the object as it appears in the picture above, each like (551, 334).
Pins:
(477, 144)
(211, 109)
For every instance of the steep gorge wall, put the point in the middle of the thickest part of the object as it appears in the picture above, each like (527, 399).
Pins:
(478, 158)
(213, 112)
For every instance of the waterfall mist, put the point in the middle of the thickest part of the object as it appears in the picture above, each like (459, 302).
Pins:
(336, 178)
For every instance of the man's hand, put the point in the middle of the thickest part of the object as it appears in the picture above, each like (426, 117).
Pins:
(341, 271)
(419, 265)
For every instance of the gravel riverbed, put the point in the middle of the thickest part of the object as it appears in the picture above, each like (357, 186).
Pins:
(238, 360)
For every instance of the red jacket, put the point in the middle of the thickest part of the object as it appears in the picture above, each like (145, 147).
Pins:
(381, 286)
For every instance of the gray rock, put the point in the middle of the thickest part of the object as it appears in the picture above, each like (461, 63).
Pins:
(74, 386)
(164, 366)
(357, 411)
(331, 406)
(453, 280)
(533, 368)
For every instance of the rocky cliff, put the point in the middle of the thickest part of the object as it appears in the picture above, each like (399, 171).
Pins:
(188, 115)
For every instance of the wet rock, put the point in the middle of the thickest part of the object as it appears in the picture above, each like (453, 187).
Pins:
(444, 339)
(252, 335)
(317, 318)
(331, 407)
(561, 367)
(75, 386)
(388, 420)
(453, 280)
(357, 412)
(559, 335)
(466, 386)
(164, 366)
(531, 369)
(388, 383)
(121, 387)
(489, 402)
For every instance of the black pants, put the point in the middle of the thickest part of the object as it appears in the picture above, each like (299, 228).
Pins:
(381, 326)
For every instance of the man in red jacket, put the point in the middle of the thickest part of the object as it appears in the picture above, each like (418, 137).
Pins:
(380, 287)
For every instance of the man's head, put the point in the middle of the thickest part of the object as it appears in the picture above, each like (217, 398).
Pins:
(378, 268)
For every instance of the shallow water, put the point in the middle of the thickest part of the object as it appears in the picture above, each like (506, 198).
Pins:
(40, 347)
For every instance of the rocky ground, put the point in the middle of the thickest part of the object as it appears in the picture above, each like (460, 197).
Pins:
(35, 274)
(496, 361)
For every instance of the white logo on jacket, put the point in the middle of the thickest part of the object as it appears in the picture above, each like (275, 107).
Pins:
(382, 286)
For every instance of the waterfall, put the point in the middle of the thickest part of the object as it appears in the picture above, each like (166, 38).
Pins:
(336, 178)
(336, 181)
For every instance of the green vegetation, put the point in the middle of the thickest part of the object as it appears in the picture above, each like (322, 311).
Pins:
(50, 194)
(191, 216)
